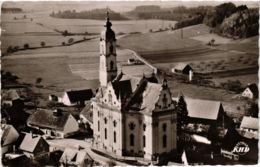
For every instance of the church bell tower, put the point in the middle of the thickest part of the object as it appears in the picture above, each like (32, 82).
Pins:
(108, 66)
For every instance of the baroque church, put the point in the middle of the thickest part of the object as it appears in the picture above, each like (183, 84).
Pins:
(131, 116)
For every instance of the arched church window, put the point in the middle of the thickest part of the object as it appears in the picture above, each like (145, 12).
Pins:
(144, 140)
(111, 65)
(114, 122)
(144, 127)
(164, 141)
(164, 101)
(164, 127)
(131, 126)
(105, 133)
(105, 120)
(114, 136)
(111, 48)
(132, 140)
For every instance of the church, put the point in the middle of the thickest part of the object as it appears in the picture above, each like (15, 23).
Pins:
(131, 116)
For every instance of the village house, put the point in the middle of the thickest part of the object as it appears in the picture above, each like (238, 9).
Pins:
(8, 138)
(34, 146)
(182, 68)
(204, 111)
(54, 123)
(9, 97)
(249, 127)
(74, 157)
(132, 116)
(251, 91)
(76, 97)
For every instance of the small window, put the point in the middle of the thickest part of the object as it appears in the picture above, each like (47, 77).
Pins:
(98, 124)
(132, 126)
(164, 101)
(111, 65)
(144, 127)
(98, 113)
(110, 98)
(164, 127)
(105, 120)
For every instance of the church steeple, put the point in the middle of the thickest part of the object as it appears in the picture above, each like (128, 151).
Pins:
(108, 64)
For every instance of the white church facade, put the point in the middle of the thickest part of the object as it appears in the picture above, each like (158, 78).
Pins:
(131, 116)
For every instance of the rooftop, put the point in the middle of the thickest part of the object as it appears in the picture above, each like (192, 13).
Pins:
(249, 123)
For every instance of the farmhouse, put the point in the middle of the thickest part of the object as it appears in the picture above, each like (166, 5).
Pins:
(73, 157)
(249, 126)
(76, 97)
(182, 68)
(34, 146)
(251, 91)
(54, 123)
(8, 138)
(133, 116)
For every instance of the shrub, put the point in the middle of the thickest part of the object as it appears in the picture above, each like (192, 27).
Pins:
(26, 46)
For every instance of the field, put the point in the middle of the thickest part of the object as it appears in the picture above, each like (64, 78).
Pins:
(19, 31)
(76, 66)
(227, 57)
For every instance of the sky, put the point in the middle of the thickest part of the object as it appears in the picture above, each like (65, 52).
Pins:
(119, 6)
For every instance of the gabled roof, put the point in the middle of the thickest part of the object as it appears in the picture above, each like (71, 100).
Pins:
(47, 119)
(87, 112)
(249, 123)
(73, 156)
(203, 109)
(79, 95)
(9, 134)
(30, 142)
(254, 89)
(181, 66)
(10, 94)
(151, 96)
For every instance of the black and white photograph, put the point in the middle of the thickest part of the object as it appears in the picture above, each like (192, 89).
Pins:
(129, 83)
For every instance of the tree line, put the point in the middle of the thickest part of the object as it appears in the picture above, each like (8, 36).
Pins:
(97, 14)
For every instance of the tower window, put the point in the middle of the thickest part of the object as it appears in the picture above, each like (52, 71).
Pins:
(98, 124)
(164, 141)
(164, 101)
(105, 120)
(105, 133)
(132, 140)
(111, 48)
(114, 136)
(144, 140)
(111, 65)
